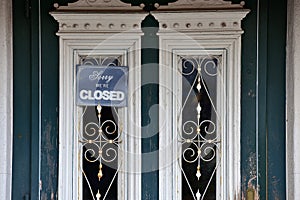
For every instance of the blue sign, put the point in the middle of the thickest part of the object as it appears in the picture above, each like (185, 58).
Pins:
(106, 86)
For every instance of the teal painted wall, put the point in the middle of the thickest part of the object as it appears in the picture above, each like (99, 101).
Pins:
(150, 95)
(22, 105)
(263, 99)
(35, 156)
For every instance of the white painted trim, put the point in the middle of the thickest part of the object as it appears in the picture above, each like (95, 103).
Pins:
(95, 40)
(206, 22)
(185, 35)
(72, 48)
(293, 100)
(105, 23)
(6, 99)
(119, 6)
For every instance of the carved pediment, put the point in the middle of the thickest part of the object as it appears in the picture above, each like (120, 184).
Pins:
(117, 5)
(97, 5)
(202, 4)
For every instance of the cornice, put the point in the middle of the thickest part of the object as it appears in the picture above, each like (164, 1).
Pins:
(98, 22)
(114, 16)
(204, 21)
(119, 6)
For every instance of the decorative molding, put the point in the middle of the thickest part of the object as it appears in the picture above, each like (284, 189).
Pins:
(201, 4)
(98, 22)
(206, 21)
(117, 5)
(98, 5)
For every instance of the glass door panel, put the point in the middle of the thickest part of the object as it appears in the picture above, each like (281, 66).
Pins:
(199, 138)
(100, 140)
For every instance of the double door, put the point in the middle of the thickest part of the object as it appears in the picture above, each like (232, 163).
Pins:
(179, 134)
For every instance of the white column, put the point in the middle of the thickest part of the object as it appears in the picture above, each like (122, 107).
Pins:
(6, 101)
(293, 99)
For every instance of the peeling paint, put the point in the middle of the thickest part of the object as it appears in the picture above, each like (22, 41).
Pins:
(49, 162)
(252, 192)
(249, 187)
(275, 181)
(251, 93)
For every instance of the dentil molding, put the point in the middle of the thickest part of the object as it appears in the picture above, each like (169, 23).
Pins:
(75, 22)
(205, 21)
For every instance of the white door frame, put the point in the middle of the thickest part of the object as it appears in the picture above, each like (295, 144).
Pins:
(197, 33)
(83, 33)
(6, 98)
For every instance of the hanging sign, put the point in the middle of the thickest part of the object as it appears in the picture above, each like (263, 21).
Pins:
(102, 85)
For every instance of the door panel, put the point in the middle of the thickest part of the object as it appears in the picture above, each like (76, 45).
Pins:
(99, 140)
(200, 138)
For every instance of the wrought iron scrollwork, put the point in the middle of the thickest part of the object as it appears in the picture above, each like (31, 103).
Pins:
(100, 139)
(100, 146)
(199, 138)
(101, 143)
(108, 61)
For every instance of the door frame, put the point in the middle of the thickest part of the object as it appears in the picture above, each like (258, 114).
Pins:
(115, 33)
(200, 39)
